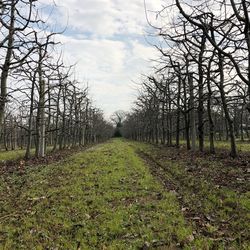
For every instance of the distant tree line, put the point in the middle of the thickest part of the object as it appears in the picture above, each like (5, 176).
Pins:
(200, 86)
(40, 105)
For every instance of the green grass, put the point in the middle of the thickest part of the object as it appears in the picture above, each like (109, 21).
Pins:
(202, 196)
(243, 146)
(103, 198)
(16, 154)
(11, 155)
(107, 198)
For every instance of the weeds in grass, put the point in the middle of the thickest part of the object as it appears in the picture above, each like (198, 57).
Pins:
(104, 197)
(220, 213)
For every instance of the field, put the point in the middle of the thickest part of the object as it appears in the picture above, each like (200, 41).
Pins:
(126, 195)
(17, 154)
(242, 146)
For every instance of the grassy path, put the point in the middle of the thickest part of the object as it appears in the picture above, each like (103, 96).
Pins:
(103, 198)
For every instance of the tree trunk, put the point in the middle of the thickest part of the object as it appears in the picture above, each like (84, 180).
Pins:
(233, 152)
(192, 112)
(30, 127)
(178, 110)
(40, 150)
(209, 111)
(200, 94)
(6, 66)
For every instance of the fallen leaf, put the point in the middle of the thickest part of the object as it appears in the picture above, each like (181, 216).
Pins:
(190, 238)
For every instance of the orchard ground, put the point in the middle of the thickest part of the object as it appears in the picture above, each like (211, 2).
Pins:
(127, 195)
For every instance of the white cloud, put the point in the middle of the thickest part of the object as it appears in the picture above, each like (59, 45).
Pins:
(110, 67)
(104, 17)
(105, 38)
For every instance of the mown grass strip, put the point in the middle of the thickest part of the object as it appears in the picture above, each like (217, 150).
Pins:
(104, 198)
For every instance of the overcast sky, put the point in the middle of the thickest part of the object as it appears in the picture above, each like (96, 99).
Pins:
(107, 40)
